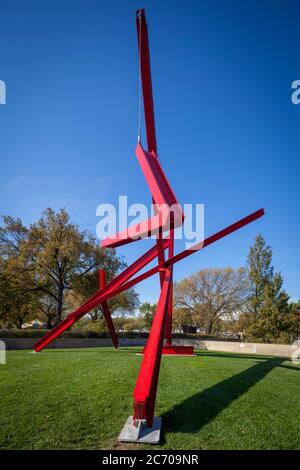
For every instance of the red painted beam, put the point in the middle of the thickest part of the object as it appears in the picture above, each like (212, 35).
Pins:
(159, 186)
(169, 262)
(168, 328)
(118, 284)
(144, 229)
(164, 199)
(106, 311)
(217, 236)
(95, 300)
(178, 350)
(130, 271)
(145, 71)
(146, 384)
(197, 247)
(139, 264)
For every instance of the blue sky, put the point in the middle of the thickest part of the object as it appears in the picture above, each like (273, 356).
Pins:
(227, 131)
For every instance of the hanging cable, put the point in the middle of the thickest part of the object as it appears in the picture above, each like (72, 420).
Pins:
(140, 79)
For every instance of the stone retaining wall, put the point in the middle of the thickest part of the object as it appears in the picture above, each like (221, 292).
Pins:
(61, 343)
(280, 350)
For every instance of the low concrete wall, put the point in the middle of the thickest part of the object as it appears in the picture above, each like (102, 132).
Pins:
(62, 343)
(280, 350)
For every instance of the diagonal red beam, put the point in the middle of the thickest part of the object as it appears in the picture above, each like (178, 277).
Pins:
(146, 384)
(130, 271)
(168, 328)
(139, 264)
(213, 238)
(164, 199)
(111, 291)
(156, 179)
(106, 311)
(99, 298)
(103, 296)
(95, 300)
(197, 247)
(144, 229)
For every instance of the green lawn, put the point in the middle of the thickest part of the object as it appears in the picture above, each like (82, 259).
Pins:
(80, 399)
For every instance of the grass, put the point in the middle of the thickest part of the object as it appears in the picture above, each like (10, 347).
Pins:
(80, 399)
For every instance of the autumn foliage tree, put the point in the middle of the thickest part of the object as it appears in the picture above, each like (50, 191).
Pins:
(210, 295)
(17, 299)
(39, 264)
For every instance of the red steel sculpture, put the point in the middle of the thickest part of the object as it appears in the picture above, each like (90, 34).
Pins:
(167, 216)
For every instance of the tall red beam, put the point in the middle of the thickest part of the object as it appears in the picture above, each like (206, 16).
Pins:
(168, 327)
(146, 79)
(146, 384)
(145, 71)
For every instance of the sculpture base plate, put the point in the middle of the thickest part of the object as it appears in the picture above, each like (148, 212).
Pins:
(140, 433)
(178, 350)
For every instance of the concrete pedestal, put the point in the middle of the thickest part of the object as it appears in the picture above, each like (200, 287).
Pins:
(140, 433)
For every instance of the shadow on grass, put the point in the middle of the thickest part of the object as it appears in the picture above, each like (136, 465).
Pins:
(198, 410)
(291, 368)
(225, 355)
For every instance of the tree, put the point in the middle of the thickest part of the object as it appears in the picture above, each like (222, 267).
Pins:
(260, 271)
(147, 312)
(55, 250)
(269, 314)
(47, 307)
(59, 255)
(39, 264)
(12, 235)
(295, 320)
(17, 300)
(184, 320)
(134, 324)
(212, 294)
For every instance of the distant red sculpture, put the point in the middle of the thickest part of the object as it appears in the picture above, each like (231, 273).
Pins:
(163, 220)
